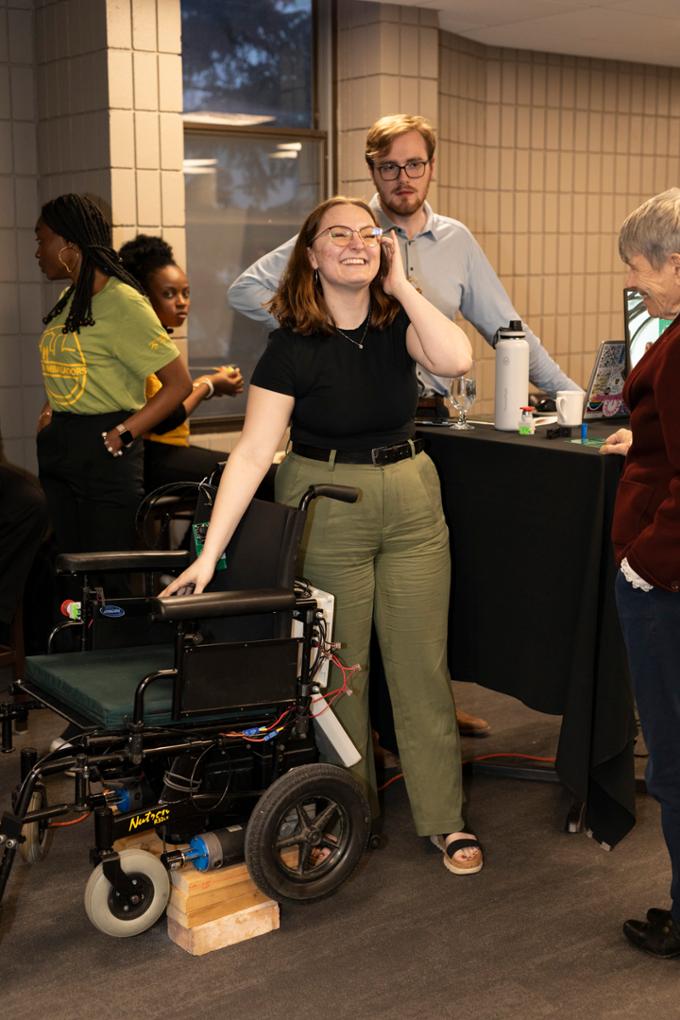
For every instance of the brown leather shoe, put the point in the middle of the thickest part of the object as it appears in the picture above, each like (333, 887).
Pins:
(471, 725)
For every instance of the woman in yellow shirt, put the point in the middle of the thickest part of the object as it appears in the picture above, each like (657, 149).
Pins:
(168, 455)
(101, 341)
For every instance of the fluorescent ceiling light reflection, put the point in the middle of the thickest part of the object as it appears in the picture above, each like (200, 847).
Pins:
(283, 155)
(290, 146)
(200, 166)
(227, 119)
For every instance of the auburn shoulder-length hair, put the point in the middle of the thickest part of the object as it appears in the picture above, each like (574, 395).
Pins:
(299, 302)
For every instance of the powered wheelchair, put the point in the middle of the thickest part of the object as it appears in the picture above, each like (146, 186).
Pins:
(197, 716)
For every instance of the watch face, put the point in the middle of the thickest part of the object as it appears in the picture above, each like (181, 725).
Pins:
(126, 437)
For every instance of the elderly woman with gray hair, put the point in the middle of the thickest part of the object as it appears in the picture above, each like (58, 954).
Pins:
(646, 537)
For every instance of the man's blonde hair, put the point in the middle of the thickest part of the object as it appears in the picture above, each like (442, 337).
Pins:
(653, 229)
(386, 129)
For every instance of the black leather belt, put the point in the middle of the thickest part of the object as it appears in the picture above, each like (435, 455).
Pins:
(379, 455)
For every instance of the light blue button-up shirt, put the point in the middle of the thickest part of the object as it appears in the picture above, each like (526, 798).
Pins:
(446, 263)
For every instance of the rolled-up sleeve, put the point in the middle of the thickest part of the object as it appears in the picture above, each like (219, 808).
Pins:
(256, 286)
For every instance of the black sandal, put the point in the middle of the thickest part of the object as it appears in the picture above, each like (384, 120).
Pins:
(449, 851)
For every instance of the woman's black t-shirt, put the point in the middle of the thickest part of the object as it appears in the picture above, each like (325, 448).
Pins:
(346, 398)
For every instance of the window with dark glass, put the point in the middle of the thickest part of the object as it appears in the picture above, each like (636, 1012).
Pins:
(251, 59)
(254, 160)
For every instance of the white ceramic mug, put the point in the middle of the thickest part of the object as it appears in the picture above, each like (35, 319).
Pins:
(569, 404)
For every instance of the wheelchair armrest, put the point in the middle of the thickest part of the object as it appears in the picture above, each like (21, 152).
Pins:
(145, 559)
(222, 603)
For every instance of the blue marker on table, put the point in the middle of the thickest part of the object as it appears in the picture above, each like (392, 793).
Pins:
(584, 432)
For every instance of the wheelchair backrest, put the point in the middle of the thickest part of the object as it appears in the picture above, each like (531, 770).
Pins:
(262, 553)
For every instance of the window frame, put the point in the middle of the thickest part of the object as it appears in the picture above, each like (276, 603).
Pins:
(323, 94)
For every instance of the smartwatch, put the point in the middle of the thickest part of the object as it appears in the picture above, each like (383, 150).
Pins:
(126, 437)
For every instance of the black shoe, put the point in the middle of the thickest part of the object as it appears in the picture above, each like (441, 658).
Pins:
(655, 915)
(659, 938)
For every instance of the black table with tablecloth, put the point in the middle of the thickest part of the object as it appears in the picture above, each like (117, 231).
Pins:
(532, 608)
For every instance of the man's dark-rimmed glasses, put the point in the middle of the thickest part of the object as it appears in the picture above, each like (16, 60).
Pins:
(412, 168)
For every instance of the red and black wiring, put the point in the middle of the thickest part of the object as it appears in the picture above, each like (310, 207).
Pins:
(260, 734)
(347, 672)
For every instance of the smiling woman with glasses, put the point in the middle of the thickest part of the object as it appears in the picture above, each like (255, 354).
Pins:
(341, 370)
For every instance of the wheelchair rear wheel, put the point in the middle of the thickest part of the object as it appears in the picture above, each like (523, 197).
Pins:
(37, 835)
(122, 919)
(307, 833)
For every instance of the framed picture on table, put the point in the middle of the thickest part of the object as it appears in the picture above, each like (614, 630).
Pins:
(604, 396)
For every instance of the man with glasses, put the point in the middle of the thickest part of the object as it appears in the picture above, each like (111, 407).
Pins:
(442, 259)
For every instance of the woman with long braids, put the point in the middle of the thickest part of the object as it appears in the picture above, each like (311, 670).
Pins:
(342, 370)
(168, 455)
(102, 339)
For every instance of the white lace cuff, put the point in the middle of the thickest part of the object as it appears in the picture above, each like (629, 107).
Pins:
(633, 578)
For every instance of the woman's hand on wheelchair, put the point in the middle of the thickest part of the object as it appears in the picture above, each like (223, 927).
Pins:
(191, 581)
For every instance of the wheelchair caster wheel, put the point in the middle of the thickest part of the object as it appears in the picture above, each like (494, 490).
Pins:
(122, 919)
(375, 841)
(307, 833)
(37, 835)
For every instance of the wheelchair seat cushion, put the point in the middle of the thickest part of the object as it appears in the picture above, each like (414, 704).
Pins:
(100, 685)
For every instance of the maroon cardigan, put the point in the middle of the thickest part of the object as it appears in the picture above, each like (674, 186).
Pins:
(646, 526)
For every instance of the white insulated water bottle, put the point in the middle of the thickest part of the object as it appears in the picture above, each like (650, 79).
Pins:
(512, 375)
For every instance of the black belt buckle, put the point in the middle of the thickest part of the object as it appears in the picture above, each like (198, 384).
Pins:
(381, 455)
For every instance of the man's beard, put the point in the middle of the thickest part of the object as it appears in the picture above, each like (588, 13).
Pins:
(403, 205)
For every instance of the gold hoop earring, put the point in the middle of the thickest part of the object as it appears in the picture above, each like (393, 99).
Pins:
(69, 269)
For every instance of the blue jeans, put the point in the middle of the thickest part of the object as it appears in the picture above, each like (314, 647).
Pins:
(650, 622)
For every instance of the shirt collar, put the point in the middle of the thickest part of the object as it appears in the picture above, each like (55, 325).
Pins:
(385, 222)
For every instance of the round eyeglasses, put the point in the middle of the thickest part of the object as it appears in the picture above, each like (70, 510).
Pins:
(412, 168)
(341, 236)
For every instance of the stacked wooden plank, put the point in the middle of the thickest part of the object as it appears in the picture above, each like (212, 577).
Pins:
(211, 909)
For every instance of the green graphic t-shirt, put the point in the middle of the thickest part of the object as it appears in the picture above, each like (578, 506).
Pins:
(104, 367)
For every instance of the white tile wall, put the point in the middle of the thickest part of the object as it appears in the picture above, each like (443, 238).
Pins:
(559, 141)
(90, 100)
(18, 211)
(388, 62)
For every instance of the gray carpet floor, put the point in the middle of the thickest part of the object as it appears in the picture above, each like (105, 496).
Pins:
(536, 935)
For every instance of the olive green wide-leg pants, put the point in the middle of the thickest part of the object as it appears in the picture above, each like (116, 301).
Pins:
(387, 557)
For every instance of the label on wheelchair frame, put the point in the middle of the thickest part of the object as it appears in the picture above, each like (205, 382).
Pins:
(155, 816)
(199, 532)
(111, 610)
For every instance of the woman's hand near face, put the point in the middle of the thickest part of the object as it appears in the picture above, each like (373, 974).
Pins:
(432, 340)
(395, 280)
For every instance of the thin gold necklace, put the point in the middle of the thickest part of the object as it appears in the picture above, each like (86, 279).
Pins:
(357, 343)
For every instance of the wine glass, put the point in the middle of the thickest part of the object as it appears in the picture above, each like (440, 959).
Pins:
(463, 393)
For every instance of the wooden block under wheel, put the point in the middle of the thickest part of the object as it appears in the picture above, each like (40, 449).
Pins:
(225, 931)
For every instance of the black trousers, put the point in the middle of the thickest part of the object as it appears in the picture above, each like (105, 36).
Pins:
(165, 464)
(92, 497)
(23, 522)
